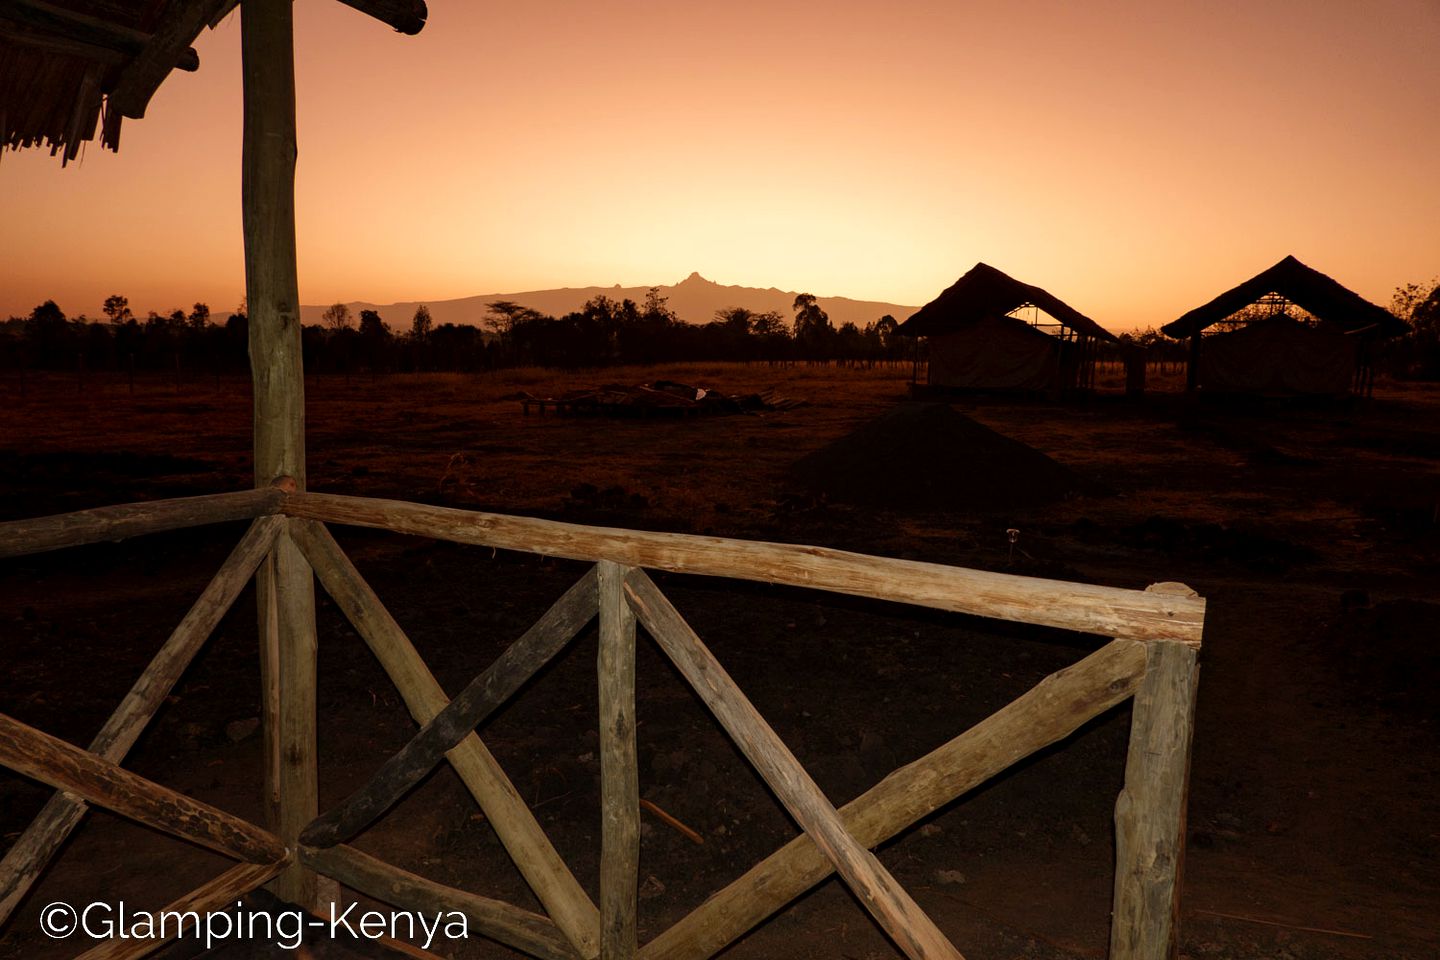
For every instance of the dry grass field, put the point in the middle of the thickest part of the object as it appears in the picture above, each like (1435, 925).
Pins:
(1311, 529)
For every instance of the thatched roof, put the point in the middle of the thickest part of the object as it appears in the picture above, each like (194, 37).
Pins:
(987, 292)
(72, 69)
(1308, 288)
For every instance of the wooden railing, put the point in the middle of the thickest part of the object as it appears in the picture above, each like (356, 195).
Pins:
(1151, 657)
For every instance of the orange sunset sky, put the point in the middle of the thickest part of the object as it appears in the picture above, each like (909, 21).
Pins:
(1134, 158)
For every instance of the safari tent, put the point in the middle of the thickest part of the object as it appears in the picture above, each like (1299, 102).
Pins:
(69, 69)
(980, 340)
(1287, 331)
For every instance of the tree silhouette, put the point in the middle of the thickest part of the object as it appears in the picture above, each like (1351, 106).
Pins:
(421, 325)
(336, 316)
(117, 308)
(812, 323)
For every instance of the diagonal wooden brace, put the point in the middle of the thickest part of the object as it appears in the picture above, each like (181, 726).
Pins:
(30, 854)
(472, 707)
(894, 909)
(554, 885)
(1049, 712)
(64, 766)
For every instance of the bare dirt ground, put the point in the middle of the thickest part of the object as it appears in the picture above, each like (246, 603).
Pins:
(1312, 530)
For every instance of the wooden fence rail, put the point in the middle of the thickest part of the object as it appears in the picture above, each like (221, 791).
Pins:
(1107, 611)
(21, 537)
(1152, 658)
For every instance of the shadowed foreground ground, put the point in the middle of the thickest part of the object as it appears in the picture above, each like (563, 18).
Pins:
(1312, 532)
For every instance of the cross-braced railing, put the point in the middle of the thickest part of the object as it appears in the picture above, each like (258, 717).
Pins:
(1152, 658)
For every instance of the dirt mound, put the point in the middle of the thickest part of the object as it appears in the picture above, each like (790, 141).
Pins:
(926, 456)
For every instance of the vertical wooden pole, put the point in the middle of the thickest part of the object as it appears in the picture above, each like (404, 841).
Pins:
(285, 587)
(619, 776)
(1150, 813)
(1192, 365)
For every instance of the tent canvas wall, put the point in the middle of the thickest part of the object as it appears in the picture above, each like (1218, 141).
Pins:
(1278, 356)
(996, 353)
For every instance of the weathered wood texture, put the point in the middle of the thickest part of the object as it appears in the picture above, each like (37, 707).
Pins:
(179, 25)
(29, 855)
(267, 188)
(21, 537)
(892, 907)
(1150, 812)
(1049, 712)
(1108, 611)
(474, 705)
(288, 654)
(507, 924)
(285, 591)
(619, 769)
(555, 887)
(64, 766)
(82, 28)
(218, 894)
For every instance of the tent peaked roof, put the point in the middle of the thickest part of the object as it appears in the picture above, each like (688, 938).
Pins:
(70, 68)
(1309, 288)
(987, 292)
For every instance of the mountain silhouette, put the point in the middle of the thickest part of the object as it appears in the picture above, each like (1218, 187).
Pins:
(694, 299)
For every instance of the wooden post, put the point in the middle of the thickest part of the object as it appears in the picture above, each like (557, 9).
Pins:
(619, 773)
(284, 586)
(1150, 812)
(1192, 365)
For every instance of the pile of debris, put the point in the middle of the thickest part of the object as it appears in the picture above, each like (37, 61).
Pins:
(660, 398)
(922, 456)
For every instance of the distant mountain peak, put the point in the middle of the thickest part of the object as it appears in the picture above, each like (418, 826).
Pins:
(694, 299)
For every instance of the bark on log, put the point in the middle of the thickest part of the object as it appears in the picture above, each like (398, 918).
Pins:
(64, 766)
(1107, 611)
(285, 591)
(891, 906)
(551, 880)
(1049, 712)
(502, 922)
(619, 769)
(1150, 812)
(21, 537)
(485, 694)
(218, 894)
(28, 857)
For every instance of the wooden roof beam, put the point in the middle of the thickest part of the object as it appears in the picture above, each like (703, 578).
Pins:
(406, 16)
(178, 27)
(66, 26)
